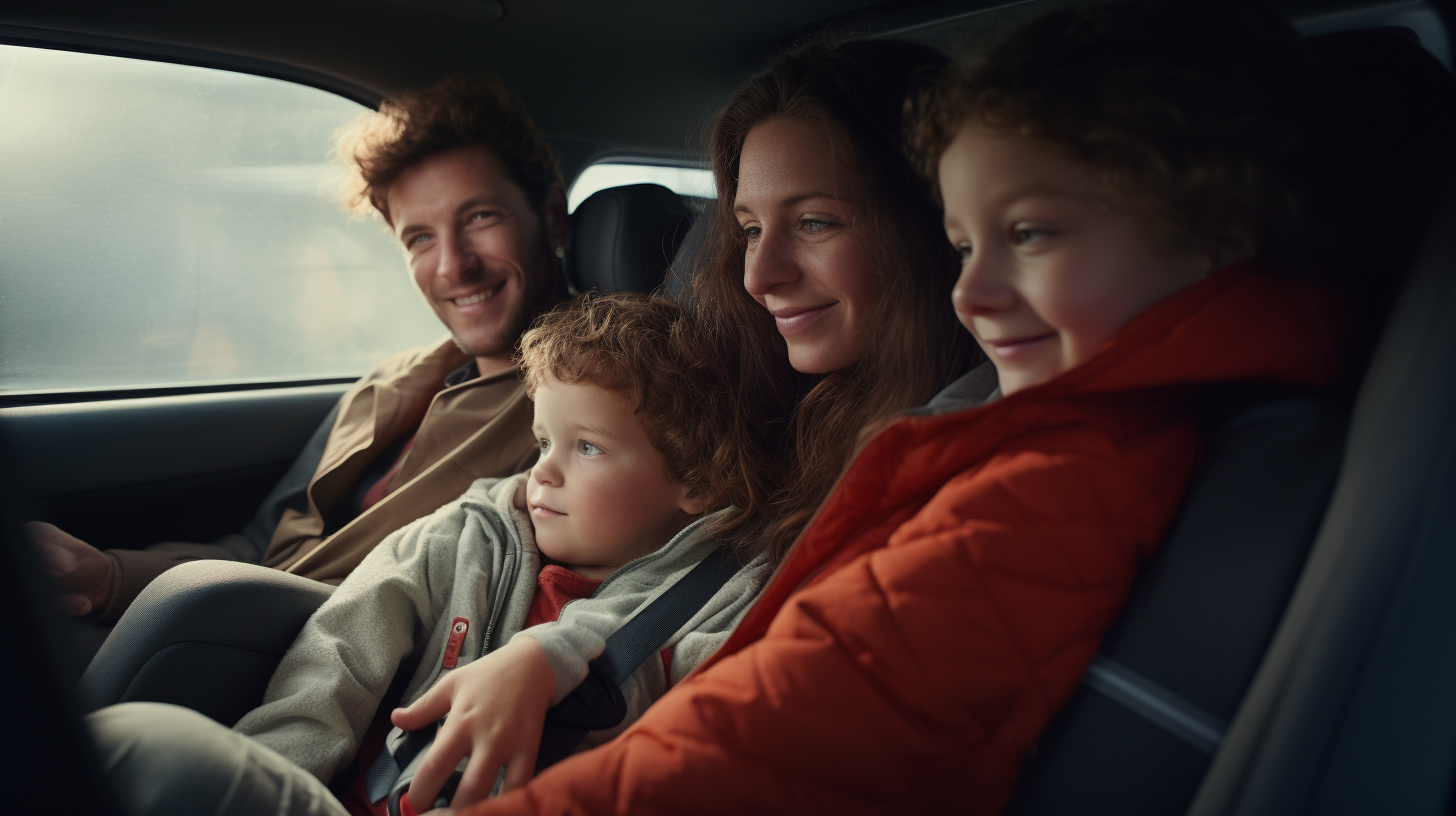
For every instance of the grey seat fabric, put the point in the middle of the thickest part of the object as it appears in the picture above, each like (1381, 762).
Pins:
(206, 635)
(623, 238)
(1138, 735)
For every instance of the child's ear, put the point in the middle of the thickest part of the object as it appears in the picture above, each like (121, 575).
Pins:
(692, 505)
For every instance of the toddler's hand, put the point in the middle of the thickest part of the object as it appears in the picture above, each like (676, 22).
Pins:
(497, 707)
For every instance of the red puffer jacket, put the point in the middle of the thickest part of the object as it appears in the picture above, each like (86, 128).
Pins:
(953, 589)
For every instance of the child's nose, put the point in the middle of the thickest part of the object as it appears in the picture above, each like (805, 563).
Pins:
(981, 286)
(546, 472)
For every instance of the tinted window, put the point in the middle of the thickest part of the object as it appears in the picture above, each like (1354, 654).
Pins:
(167, 224)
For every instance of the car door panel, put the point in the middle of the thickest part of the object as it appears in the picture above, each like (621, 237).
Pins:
(129, 472)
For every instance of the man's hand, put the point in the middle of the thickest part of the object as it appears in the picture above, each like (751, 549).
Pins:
(81, 569)
(497, 707)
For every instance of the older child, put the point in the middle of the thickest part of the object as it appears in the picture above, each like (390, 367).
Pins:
(636, 448)
(1130, 191)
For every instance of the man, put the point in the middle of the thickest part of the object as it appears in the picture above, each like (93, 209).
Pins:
(469, 187)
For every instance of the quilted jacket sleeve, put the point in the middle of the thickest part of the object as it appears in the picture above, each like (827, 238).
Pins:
(912, 678)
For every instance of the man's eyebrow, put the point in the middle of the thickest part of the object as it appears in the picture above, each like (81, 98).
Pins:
(485, 199)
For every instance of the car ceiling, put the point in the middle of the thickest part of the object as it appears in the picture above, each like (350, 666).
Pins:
(638, 77)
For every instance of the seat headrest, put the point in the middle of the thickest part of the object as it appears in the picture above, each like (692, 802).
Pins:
(685, 263)
(622, 238)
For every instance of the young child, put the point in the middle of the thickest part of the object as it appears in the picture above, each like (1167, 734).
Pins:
(1132, 192)
(635, 451)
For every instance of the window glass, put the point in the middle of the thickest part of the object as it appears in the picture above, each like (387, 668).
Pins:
(164, 224)
(690, 181)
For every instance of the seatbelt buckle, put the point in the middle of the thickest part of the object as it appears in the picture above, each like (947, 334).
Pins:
(420, 746)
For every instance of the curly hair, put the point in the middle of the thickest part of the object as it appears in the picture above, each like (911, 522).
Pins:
(458, 111)
(1205, 123)
(644, 348)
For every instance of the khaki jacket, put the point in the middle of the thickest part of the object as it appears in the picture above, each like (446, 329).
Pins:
(477, 429)
(480, 428)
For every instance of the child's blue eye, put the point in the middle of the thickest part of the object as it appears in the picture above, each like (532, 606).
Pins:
(543, 444)
(1027, 235)
(586, 448)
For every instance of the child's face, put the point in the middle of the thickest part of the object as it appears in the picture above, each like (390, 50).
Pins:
(599, 496)
(1049, 270)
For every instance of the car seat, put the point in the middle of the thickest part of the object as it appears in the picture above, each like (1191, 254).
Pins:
(1164, 708)
(208, 634)
(622, 238)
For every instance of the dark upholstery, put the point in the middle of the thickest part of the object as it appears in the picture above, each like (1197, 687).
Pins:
(685, 262)
(1353, 710)
(622, 238)
(1200, 616)
(205, 635)
(1197, 626)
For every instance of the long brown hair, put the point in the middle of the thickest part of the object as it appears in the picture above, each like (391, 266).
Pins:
(856, 89)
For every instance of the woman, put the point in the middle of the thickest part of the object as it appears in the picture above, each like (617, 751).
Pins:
(826, 244)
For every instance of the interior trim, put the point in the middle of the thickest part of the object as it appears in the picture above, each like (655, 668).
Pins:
(182, 55)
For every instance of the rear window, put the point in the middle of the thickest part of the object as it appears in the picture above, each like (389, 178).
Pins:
(165, 224)
(688, 181)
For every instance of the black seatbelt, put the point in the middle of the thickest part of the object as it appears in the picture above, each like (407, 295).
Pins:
(598, 701)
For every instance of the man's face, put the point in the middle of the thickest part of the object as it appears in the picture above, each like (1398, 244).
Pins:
(479, 252)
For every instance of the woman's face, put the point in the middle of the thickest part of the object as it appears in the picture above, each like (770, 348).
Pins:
(807, 260)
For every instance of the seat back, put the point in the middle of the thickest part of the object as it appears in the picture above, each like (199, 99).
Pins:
(1139, 733)
(1353, 710)
(206, 635)
(623, 238)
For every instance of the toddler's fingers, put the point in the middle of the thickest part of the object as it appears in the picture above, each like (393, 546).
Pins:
(439, 762)
(520, 769)
(476, 782)
(433, 705)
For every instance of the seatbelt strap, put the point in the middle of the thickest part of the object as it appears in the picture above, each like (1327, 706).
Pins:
(598, 702)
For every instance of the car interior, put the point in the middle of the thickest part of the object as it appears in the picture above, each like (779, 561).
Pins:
(1291, 648)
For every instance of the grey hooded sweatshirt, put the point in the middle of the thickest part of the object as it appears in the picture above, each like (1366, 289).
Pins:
(475, 560)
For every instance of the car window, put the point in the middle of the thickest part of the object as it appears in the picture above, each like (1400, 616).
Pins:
(166, 224)
(689, 181)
